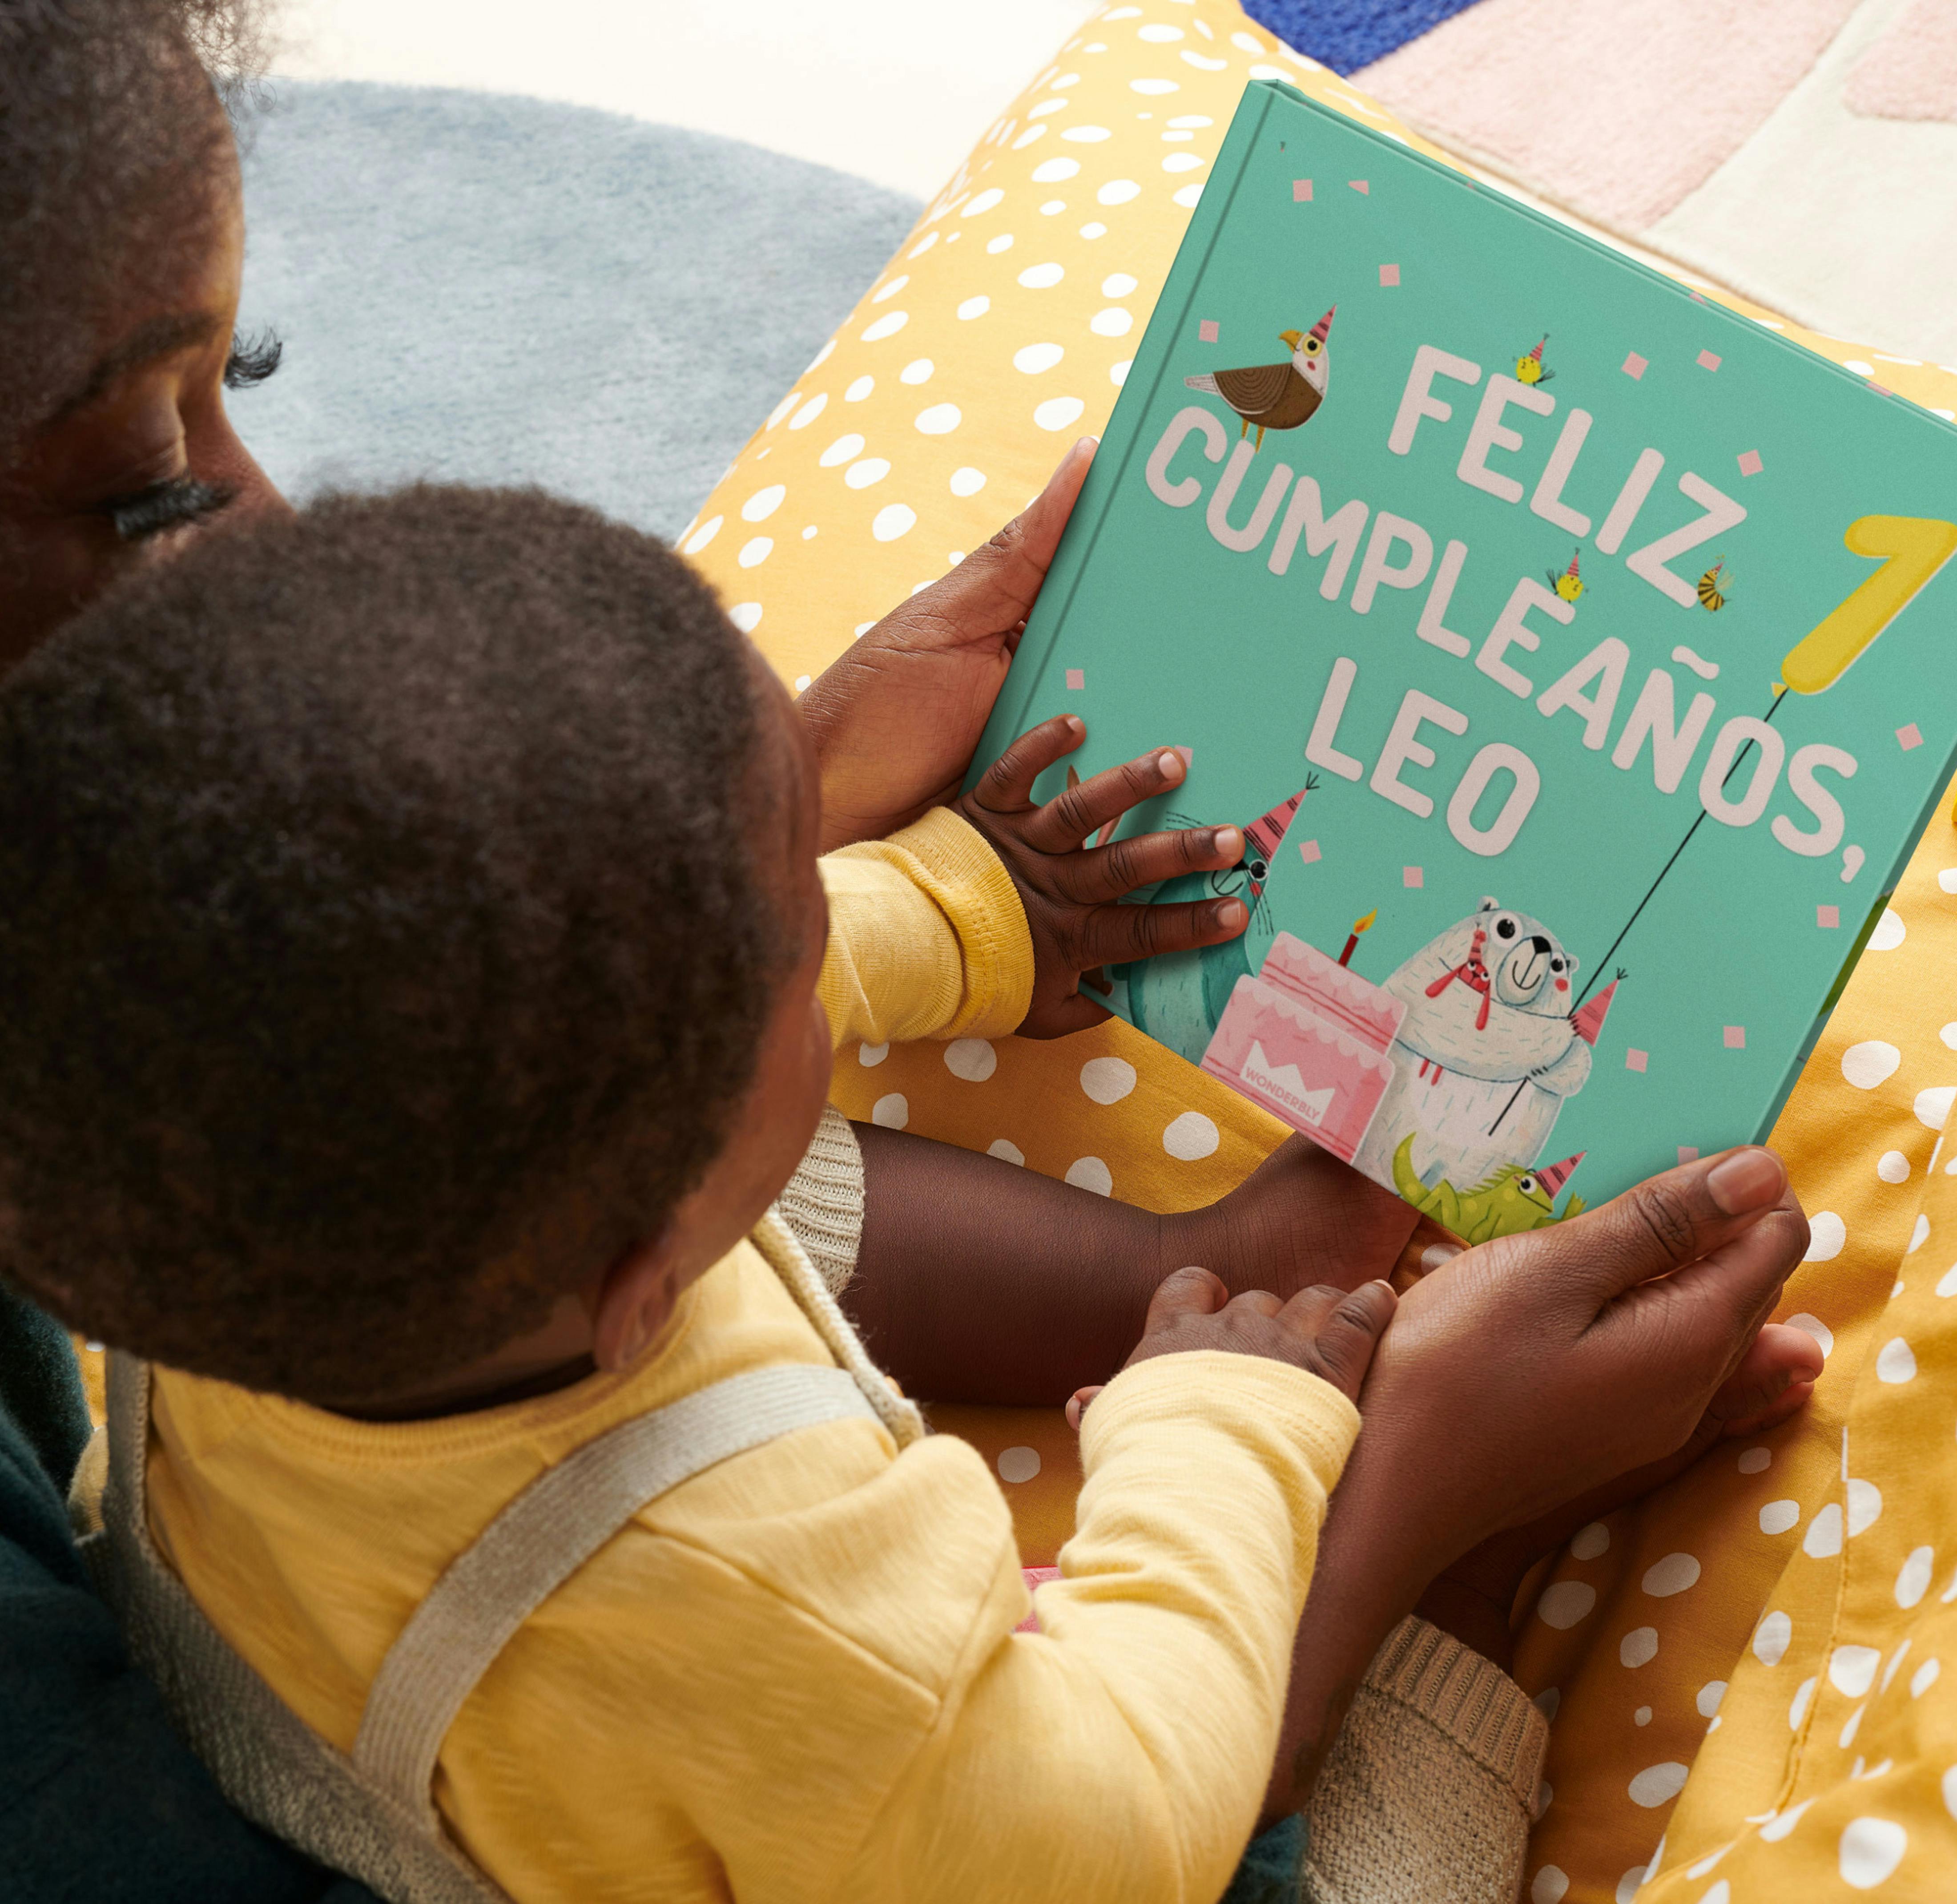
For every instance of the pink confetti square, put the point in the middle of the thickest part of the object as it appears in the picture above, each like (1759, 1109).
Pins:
(1708, 360)
(1206, 330)
(1389, 274)
(1307, 851)
(1301, 191)
(1736, 1037)
(1828, 918)
(1910, 737)
(1688, 1153)
(1360, 186)
(1076, 677)
(1188, 757)
(1750, 463)
(1635, 1060)
(1635, 366)
(1412, 876)
(1881, 389)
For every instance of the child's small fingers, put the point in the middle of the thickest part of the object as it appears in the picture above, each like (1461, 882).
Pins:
(1105, 874)
(1062, 1017)
(1066, 821)
(1077, 1404)
(1007, 784)
(1343, 1341)
(1122, 934)
(1191, 1291)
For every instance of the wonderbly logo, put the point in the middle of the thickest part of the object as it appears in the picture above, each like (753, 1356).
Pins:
(1283, 1083)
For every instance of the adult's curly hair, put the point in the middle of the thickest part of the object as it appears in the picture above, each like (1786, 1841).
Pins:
(387, 928)
(111, 138)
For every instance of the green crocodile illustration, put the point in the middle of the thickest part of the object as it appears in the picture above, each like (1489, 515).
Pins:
(1512, 1200)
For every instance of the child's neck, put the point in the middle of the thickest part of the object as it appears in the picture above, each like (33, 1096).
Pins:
(552, 1357)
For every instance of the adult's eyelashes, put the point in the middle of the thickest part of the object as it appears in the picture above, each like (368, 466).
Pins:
(167, 504)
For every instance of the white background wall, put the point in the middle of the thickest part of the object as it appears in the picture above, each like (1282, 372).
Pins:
(894, 90)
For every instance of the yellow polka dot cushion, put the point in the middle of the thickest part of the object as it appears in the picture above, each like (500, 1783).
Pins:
(1757, 1664)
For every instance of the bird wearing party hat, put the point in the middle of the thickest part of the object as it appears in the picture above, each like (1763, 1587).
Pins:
(1569, 584)
(1277, 396)
(1529, 367)
(1517, 1197)
(1178, 997)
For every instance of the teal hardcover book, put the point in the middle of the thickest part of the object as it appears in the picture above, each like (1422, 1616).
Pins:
(1577, 654)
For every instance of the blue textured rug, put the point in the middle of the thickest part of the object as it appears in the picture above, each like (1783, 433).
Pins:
(1347, 34)
(494, 290)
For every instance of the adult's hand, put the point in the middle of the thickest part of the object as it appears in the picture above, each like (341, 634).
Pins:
(895, 719)
(1538, 1366)
(1523, 1373)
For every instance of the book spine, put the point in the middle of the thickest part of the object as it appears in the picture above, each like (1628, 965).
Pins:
(1122, 444)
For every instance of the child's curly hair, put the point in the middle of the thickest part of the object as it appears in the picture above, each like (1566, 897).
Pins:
(110, 134)
(388, 929)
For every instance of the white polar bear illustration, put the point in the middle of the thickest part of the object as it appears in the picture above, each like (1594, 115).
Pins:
(1486, 1055)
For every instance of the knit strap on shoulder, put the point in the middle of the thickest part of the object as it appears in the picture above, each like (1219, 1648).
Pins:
(371, 1813)
(544, 1536)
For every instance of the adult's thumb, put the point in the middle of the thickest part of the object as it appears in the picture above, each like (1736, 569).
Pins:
(995, 588)
(1653, 1229)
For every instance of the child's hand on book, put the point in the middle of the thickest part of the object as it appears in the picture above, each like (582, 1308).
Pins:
(895, 719)
(1072, 891)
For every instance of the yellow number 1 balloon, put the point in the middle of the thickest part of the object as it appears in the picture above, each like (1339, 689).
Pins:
(1911, 549)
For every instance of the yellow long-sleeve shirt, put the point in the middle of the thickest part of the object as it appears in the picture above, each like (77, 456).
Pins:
(794, 1677)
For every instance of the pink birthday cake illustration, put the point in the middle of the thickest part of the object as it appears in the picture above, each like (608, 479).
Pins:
(1309, 1039)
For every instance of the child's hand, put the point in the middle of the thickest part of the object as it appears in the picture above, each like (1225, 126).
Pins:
(1329, 1332)
(895, 719)
(1071, 891)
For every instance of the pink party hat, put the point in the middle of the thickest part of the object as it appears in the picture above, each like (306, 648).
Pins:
(1588, 1019)
(1265, 833)
(1537, 352)
(1573, 569)
(1553, 1176)
(1323, 328)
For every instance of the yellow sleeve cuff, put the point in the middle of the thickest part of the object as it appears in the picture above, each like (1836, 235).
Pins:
(926, 937)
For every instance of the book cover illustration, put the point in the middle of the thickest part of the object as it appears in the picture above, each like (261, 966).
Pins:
(1576, 661)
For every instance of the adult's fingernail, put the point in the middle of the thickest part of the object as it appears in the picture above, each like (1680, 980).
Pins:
(1747, 1180)
(1228, 841)
(1169, 763)
(1231, 914)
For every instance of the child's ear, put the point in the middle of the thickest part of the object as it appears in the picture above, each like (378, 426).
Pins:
(634, 1299)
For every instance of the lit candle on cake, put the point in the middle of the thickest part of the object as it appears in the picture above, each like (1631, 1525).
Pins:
(1352, 940)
